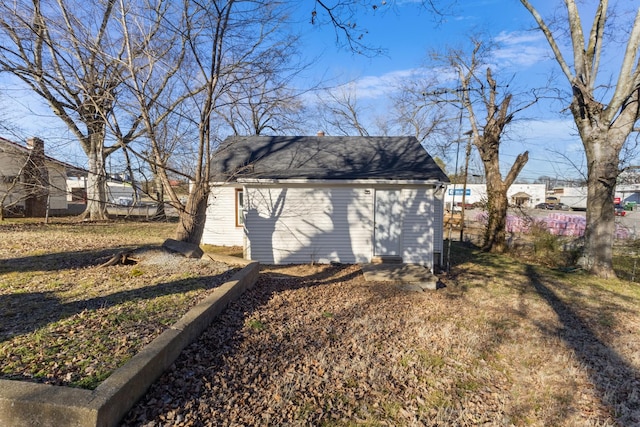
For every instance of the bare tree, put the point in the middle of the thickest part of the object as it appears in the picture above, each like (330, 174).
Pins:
(155, 49)
(262, 99)
(207, 61)
(212, 37)
(65, 53)
(478, 95)
(259, 109)
(340, 112)
(343, 17)
(604, 115)
(8, 118)
(416, 111)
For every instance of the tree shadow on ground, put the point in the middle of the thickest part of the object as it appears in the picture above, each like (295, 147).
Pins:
(618, 381)
(470, 266)
(26, 312)
(467, 252)
(64, 260)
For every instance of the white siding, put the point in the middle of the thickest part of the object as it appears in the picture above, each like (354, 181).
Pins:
(10, 164)
(301, 223)
(418, 226)
(220, 226)
(297, 224)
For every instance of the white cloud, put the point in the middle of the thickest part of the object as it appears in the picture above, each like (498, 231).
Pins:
(519, 37)
(381, 86)
(520, 49)
(375, 87)
(517, 49)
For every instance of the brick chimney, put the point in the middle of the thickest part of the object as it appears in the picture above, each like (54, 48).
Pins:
(320, 133)
(36, 145)
(36, 179)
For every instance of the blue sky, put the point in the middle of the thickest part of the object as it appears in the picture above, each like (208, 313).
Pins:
(406, 32)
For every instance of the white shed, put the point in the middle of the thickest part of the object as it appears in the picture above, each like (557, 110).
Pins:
(327, 199)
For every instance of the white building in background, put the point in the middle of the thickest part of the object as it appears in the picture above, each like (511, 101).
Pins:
(117, 191)
(629, 194)
(576, 197)
(525, 195)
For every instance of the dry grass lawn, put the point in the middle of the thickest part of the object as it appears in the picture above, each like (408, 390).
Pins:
(507, 342)
(65, 320)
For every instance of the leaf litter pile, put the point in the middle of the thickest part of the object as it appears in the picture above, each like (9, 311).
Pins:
(505, 343)
(65, 320)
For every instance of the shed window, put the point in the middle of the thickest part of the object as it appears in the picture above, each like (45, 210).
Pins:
(239, 207)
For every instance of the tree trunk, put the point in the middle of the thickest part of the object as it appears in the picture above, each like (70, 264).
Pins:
(495, 236)
(601, 181)
(96, 209)
(159, 189)
(191, 221)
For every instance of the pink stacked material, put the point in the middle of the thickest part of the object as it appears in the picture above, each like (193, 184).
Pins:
(562, 224)
(559, 224)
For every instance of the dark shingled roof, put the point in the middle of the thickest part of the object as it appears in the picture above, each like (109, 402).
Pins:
(324, 158)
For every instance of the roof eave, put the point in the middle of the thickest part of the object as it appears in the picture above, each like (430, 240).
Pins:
(272, 181)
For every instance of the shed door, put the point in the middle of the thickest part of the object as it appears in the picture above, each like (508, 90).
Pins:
(388, 222)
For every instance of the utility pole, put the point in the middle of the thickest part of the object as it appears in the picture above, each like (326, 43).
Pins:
(464, 187)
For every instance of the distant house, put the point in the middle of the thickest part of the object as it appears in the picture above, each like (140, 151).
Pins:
(327, 199)
(30, 181)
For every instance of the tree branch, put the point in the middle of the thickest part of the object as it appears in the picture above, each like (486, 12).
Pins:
(550, 39)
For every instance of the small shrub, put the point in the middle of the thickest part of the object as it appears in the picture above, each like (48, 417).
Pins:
(552, 250)
(255, 324)
(543, 241)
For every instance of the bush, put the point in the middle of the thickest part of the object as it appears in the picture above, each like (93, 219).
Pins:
(552, 250)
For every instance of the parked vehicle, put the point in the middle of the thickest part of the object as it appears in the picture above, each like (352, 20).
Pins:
(543, 206)
(619, 210)
(575, 198)
(551, 201)
(123, 201)
(561, 207)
